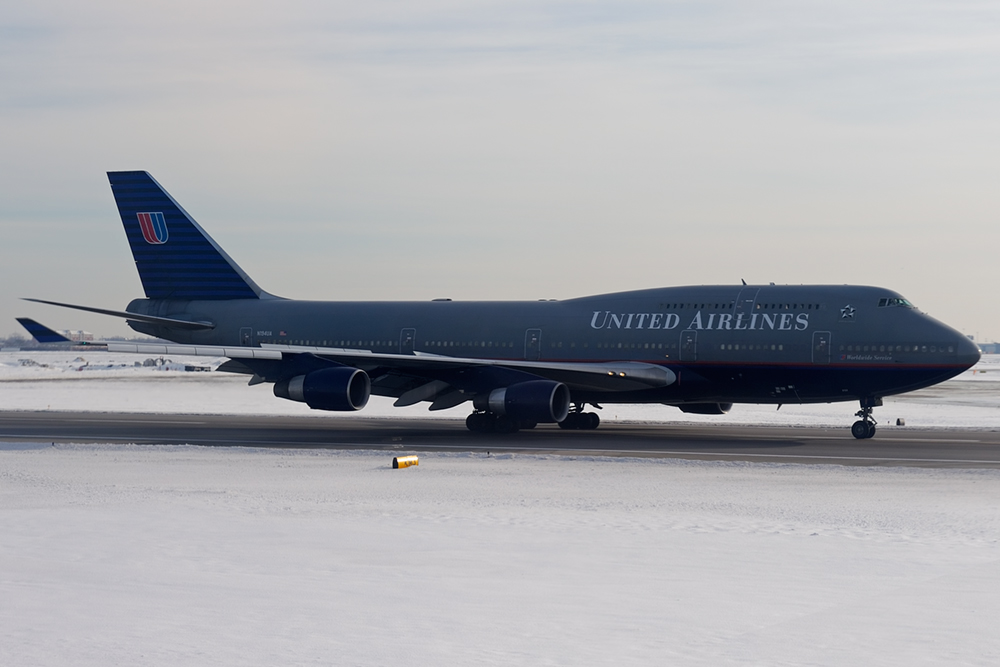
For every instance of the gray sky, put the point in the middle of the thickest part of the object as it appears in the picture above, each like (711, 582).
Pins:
(477, 150)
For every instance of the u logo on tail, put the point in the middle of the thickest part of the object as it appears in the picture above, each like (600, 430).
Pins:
(154, 227)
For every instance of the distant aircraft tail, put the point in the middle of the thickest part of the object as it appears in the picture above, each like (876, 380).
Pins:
(176, 259)
(42, 333)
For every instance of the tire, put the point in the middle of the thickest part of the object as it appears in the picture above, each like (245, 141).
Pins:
(860, 430)
(871, 431)
(528, 425)
(479, 422)
(505, 424)
(572, 422)
(593, 421)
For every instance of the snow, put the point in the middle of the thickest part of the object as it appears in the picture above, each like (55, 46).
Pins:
(124, 554)
(112, 383)
(185, 555)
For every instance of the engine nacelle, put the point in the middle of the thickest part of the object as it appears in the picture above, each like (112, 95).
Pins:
(340, 388)
(535, 401)
(706, 408)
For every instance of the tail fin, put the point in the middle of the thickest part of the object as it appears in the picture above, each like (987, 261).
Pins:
(42, 333)
(176, 259)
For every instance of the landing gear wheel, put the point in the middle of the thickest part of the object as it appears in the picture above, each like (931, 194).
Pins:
(580, 421)
(481, 422)
(864, 428)
(505, 424)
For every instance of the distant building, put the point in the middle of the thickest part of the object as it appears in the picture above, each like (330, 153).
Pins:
(79, 336)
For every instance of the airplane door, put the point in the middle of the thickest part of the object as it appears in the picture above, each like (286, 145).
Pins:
(246, 337)
(532, 344)
(689, 345)
(406, 340)
(745, 303)
(821, 347)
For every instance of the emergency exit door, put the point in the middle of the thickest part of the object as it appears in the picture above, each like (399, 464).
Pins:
(821, 347)
(689, 345)
(406, 340)
(533, 344)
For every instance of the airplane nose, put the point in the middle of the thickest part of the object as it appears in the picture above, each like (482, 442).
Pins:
(968, 352)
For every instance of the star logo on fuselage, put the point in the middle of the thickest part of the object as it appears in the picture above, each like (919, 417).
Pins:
(847, 312)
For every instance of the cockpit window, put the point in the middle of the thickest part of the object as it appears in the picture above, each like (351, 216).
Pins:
(894, 302)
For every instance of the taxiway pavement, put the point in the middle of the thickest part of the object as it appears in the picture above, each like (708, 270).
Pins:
(966, 448)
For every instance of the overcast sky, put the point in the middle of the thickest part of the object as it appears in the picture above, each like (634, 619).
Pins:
(478, 150)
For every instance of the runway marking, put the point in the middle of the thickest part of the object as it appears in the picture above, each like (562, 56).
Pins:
(910, 439)
(916, 441)
(538, 452)
(733, 454)
(140, 421)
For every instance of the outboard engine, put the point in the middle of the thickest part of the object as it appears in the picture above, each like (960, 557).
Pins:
(340, 388)
(706, 408)
(533, 401)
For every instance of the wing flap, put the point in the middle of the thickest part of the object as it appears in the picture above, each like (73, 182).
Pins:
(198, 350)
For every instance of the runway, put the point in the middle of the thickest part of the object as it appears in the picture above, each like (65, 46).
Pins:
(892, 446)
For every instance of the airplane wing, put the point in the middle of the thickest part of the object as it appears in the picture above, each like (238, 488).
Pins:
(421, 376)
(410, 378)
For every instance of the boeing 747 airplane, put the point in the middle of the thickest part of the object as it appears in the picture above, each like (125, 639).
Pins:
(518, 363)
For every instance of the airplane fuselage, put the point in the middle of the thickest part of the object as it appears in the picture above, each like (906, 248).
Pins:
(727, 344)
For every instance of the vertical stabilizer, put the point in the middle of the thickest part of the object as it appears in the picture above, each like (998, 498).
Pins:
(176, 259)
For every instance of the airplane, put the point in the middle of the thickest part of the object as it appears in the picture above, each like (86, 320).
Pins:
(43, 334)
(521, 363)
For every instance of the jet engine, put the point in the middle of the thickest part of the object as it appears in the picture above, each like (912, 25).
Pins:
(706, 408)
(340, 388)
(532, 401)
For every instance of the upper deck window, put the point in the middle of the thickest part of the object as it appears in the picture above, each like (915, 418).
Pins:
(893, 302)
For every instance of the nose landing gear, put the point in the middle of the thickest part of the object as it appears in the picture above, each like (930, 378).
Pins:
(864, 428)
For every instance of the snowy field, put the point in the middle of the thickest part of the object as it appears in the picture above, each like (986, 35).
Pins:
(125, 555)
(102, 382)
(167, 555)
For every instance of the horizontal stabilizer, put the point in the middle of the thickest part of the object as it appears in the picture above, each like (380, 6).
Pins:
(42, 333)
(135, 317)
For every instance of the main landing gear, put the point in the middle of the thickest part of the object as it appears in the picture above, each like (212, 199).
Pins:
(578, 420)
(864, 428)
(490, 422)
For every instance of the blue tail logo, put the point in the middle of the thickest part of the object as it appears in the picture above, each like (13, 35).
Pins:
(154, 228)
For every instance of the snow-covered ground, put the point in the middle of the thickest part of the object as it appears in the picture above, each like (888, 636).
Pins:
(102, 382)
(182, 555)
(119, 554)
